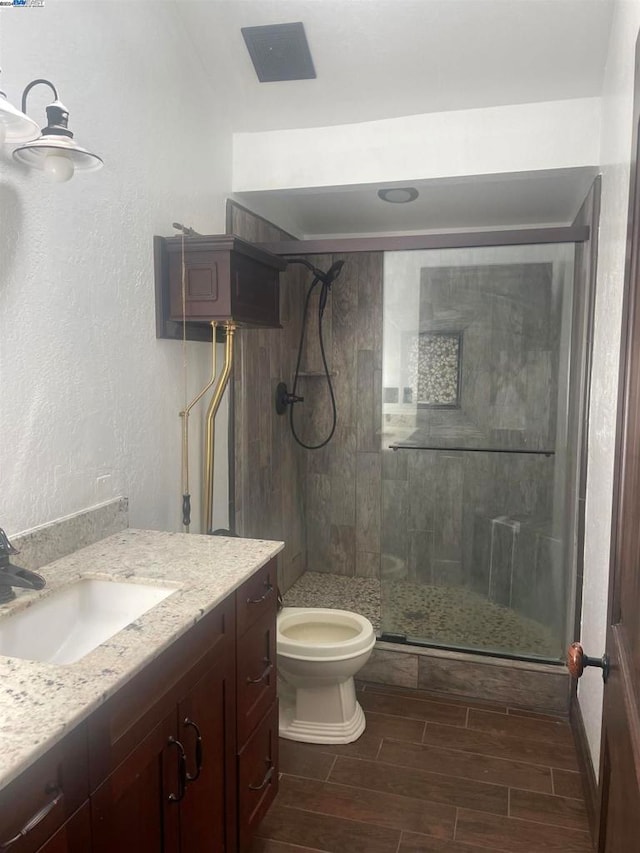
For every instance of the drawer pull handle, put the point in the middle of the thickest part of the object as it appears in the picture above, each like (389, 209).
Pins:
(37, 818)
(267, 778)
(269, 588)
(182, 771)
(265, 673)
(191, 777)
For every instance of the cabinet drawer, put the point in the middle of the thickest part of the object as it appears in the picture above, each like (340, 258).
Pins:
(74, 836)
(257, 596)
(53, 788)
(257, 776)
(256, 674)
(118, 726)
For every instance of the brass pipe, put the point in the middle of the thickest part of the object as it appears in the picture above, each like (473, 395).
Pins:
(214, 405)
(184, 414)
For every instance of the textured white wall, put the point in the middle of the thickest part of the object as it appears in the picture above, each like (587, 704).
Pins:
(89, 398)
(615, 148)
(518, 138)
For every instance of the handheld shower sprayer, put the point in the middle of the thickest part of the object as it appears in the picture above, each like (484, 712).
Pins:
(283, 398)
(327, 277)
(331, 274)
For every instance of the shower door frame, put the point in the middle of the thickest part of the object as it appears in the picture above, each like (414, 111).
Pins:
(583, 233)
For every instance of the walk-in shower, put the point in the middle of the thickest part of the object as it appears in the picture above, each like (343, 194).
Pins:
(446, 507)
(440, 509)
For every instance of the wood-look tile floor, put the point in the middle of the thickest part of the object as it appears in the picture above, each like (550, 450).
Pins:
(431, 774)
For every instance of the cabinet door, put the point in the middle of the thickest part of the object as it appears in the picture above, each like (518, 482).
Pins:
(257, 776)
(206, 719)
(74, 836)
(136, 810)
(256, 674)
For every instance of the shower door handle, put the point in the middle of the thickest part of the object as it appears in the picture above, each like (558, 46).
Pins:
(577, 661)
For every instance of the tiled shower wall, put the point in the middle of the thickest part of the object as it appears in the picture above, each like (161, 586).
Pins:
(343, 479)
(325, 504)
(268, 467)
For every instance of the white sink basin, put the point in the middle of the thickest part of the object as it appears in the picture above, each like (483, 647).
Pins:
(68, 624)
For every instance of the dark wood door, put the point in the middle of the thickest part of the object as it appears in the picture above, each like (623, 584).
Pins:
(206, 721)
(136, 810)
(620, 754)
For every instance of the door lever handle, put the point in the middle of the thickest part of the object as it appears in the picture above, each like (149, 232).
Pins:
(577, 661)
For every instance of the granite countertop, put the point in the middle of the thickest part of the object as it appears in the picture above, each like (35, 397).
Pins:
(41, 702)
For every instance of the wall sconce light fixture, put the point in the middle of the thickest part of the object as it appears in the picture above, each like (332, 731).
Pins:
(54, 151)
(15, 127)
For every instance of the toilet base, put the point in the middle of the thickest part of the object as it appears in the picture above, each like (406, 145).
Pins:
(331, 714)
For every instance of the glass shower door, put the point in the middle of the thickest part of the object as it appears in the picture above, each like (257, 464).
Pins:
(475, 388)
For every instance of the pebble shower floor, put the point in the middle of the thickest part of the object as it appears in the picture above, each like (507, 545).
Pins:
(446, 616)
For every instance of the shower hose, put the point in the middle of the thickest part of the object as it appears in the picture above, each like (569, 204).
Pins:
(322, 302)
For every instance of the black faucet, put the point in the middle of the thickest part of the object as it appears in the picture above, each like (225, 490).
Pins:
(11, 576)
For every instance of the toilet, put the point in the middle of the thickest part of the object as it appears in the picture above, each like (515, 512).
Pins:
(319, 651)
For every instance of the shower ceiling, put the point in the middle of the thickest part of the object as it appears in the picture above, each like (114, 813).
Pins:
(471, 203)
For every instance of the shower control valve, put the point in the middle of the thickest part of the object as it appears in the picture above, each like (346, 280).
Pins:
(284, 399)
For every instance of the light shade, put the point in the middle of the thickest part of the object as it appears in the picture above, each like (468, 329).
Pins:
(36, 153)
(55, 152)
(17, 126)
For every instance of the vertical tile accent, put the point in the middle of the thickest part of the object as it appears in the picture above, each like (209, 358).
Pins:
(368, 418)
(342, 559)
(394, 542)
(369, 331)
(319, 545)
(343, 473)
(368, 502)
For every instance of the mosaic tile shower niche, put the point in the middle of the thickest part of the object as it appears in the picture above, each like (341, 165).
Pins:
(475, 381)
(433, 369)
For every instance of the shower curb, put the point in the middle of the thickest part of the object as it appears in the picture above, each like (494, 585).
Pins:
(538, 686)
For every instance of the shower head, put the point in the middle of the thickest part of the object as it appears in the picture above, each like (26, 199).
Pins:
(327, 278)
(332, 273)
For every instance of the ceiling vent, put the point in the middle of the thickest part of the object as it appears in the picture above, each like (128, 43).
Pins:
(279, 52)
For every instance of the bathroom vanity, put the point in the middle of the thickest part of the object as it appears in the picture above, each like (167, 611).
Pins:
(165, 737)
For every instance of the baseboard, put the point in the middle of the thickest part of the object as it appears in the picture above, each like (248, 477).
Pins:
(587, 772)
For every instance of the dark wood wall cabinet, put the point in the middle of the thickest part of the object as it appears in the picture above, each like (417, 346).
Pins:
(182, 759)
(226, 279)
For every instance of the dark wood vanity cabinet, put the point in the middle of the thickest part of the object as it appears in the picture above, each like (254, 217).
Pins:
(161, 764)
(181, 759)
(257, 707)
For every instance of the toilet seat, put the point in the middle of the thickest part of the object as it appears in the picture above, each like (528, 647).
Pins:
(318, 633)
